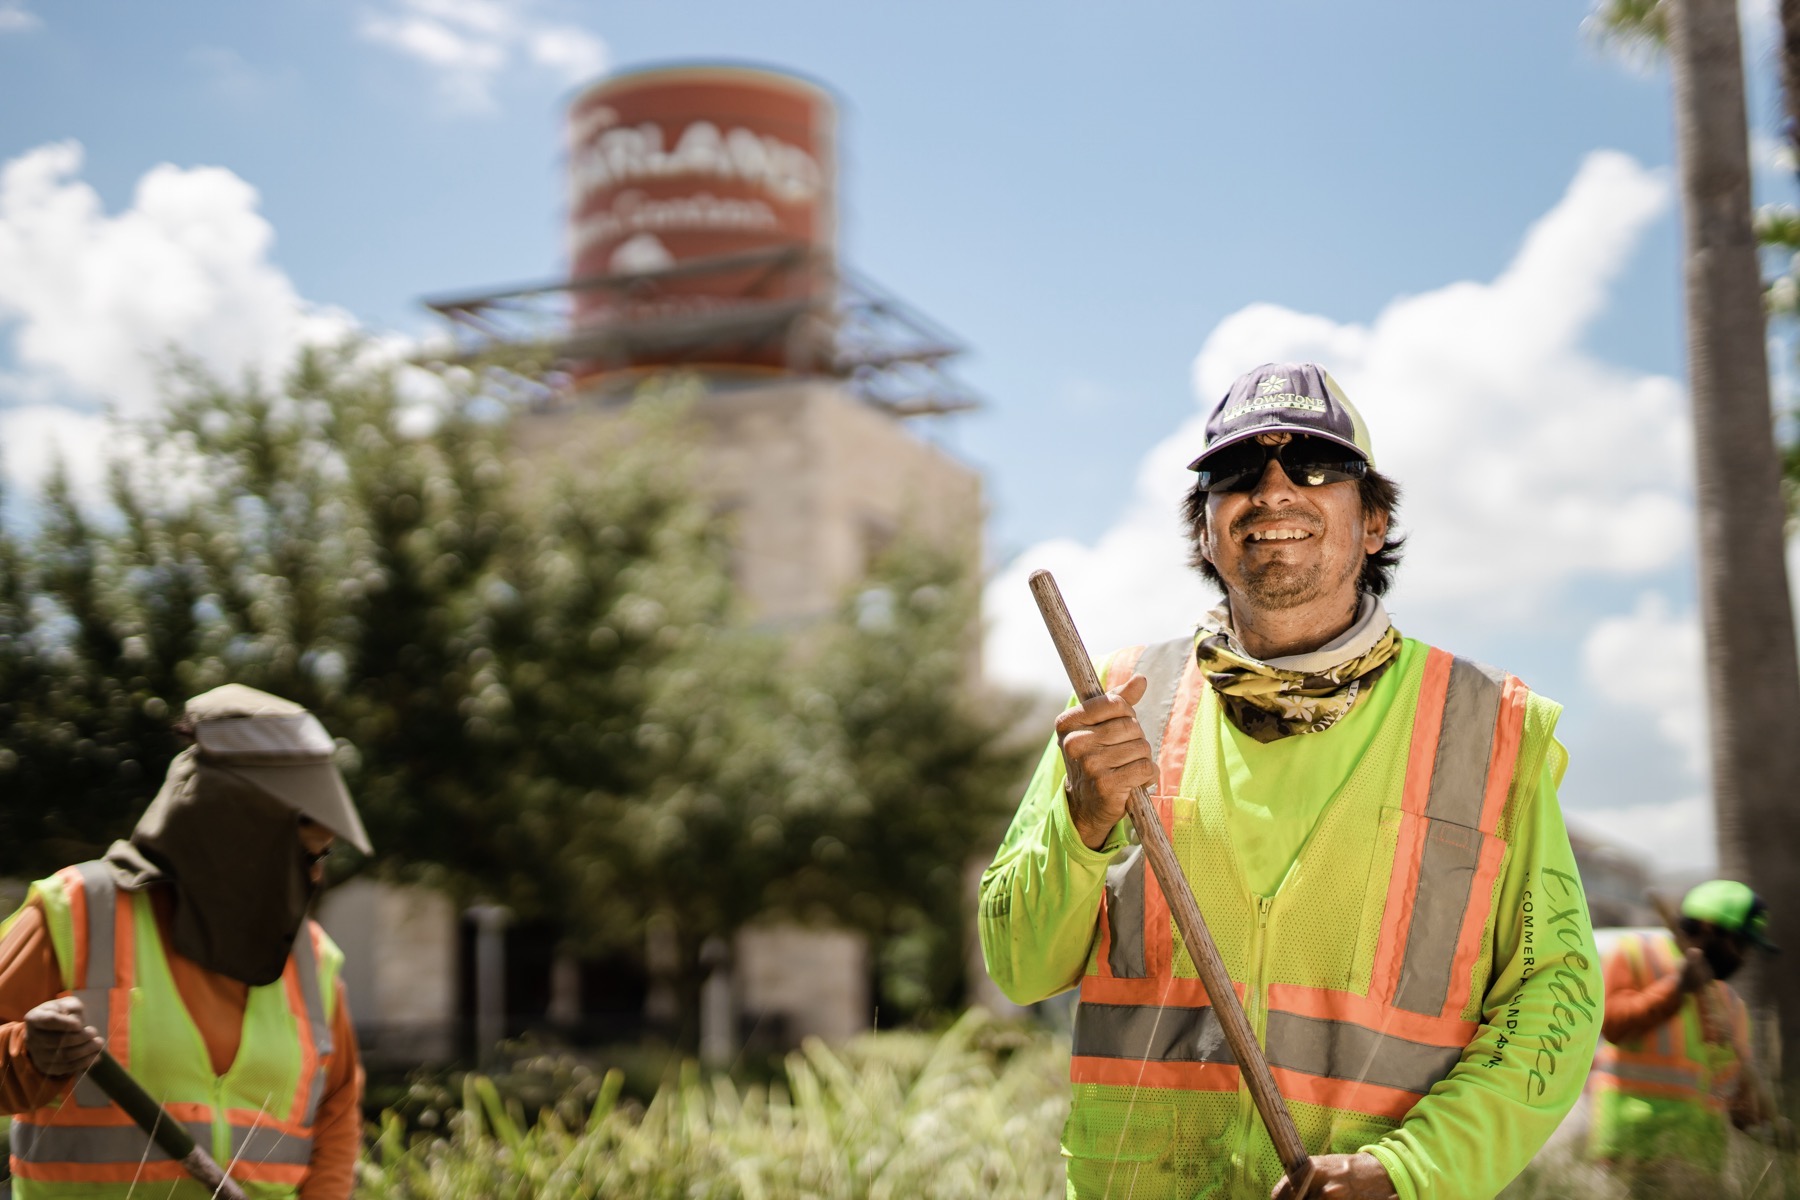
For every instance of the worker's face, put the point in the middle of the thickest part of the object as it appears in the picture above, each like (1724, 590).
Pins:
(1725, 952)
(315, 844)
(1280, 546)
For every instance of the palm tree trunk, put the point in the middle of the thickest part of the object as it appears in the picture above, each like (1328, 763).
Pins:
(1790, 75)
(1753, 681)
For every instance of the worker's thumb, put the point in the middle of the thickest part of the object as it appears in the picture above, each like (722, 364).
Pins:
(1134, 690)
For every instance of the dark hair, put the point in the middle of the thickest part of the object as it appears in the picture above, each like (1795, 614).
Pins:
(1378, 494)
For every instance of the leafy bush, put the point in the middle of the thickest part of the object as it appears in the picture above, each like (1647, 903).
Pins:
(973, 1112)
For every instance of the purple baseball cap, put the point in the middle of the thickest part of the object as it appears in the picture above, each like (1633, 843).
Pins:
(1287, 397)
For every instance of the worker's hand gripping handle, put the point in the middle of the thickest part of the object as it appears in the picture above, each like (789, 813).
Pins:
(1194, 934)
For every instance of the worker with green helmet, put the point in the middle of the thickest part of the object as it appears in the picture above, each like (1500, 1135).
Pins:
(1370, 827)
(1675, 1064)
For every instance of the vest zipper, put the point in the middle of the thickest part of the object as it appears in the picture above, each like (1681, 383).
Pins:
(1257, 1010)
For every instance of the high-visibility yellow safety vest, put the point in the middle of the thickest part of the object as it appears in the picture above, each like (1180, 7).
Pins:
(1363, 976)
(1666, 1094)
(257, 1117)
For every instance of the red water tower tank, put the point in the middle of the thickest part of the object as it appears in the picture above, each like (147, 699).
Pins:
(702, 217)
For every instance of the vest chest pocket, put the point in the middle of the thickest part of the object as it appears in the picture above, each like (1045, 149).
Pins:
(1375, 898)
(1118, 1131)
(1440, 884)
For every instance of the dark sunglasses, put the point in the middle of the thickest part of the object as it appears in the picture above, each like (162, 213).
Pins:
(1306, 461)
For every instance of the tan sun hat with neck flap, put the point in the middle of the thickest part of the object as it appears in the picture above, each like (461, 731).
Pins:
(278, 747)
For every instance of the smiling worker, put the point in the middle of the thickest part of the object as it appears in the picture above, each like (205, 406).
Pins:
(187, 951)
(1370, 827)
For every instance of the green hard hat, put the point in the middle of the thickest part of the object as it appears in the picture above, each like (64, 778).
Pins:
(1731, 906)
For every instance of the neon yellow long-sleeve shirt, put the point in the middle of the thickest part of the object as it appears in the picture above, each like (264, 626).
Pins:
(1523, 1070)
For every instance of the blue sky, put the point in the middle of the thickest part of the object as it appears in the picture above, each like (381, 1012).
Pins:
(1091, 196)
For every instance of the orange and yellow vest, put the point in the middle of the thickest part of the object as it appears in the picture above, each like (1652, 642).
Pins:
(1363, 976)
(1665, 1094)
(257, 1117)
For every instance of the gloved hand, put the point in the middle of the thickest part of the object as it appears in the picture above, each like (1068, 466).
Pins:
(58, 1039)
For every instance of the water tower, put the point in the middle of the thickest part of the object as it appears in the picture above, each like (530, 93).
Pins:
(702, 227)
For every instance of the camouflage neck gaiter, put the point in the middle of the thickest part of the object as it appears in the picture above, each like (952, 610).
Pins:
(1300, 693)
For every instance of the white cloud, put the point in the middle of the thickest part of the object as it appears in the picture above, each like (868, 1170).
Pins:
(1675, 836)
(91, 300)
(1527, 462)
(468, 43)
(16, 18)
(36, 437)
(1652, 660)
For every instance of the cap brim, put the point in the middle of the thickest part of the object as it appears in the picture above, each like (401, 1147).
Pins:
(314, 790)
(1243, 435)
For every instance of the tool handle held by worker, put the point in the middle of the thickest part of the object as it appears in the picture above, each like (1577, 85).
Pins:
(1671, 917)
(1194, 933)
(168, 1133)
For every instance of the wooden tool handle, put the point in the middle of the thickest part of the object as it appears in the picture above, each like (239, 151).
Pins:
(1198, 939)
(168, 1133)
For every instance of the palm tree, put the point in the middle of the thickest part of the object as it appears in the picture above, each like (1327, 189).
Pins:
(1753, 680)
(1753, 676)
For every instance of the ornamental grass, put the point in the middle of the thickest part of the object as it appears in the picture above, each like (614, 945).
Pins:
(973, 1112)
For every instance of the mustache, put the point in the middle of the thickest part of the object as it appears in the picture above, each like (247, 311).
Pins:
(1246, 525)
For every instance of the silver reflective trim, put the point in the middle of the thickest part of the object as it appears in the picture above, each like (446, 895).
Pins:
(1459, 773)
(1162, 666)
(1647, 1073)
(1125, 915)
(1446, 875)
(1340, 1050)
(94, 1145)
(1158, 1034)
(101, 894)
(258, 1145)
(1452, 839)
(307, 964)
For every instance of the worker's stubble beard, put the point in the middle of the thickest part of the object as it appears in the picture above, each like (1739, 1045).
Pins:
(1278, 585)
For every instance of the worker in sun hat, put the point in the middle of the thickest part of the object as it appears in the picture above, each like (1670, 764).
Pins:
(1675, 1064)
(187, 952)
(1370, 827)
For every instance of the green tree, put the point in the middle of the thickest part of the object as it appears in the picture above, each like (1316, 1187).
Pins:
(932, 767)
(544, 691)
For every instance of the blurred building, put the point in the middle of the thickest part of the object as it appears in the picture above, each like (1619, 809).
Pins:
(1616, 881)
(703, 218)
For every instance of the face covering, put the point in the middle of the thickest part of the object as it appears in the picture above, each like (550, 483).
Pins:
(1720, 958)
(233, 855)
(1301, 693)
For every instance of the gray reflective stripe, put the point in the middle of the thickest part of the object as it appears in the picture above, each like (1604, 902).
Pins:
(1646, 1073)
(1125, 915)
(1146, 1032)
(1452, 841)
(1340, 1050)
(90, 1144)
(1162, 666)
(307, 963)
(1459, 774)
(260, 1144)
(101, 895)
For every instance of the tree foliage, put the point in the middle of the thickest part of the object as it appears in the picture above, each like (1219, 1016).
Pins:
(543, 690)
